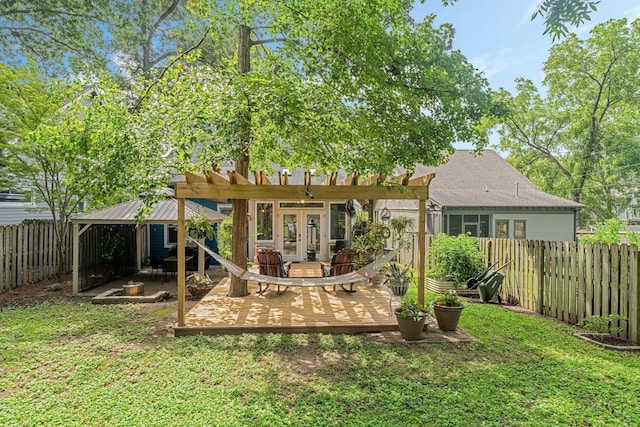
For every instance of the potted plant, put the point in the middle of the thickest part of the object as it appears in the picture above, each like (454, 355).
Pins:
(198, 226)
(398, 277)
(199, 284)
(369, 246)
(411, 318)
(454, 260)
(448, 308)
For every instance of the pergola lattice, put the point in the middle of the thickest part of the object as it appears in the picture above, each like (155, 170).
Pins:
(378, 187)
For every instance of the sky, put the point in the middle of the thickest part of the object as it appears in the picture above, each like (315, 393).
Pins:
(499, 38)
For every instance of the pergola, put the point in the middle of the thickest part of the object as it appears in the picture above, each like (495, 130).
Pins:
(378, 187)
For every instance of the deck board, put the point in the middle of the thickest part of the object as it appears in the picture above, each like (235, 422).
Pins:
(305, 310)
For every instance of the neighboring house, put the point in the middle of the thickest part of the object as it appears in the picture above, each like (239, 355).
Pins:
(487, 197)
(14, 210)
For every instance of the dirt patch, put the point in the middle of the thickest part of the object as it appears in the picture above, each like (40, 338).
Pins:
(36, 293)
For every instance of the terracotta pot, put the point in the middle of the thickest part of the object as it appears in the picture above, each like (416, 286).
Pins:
(410, 330)
(133, 289)
(378, 279)
(447, 317)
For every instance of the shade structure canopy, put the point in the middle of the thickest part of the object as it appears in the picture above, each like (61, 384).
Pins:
(164, 211)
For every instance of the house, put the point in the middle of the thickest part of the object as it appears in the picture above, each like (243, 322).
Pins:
(14, 210)
(487, 197)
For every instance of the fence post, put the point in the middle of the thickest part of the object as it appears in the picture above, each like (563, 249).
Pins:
(634, 300)
(539, 266)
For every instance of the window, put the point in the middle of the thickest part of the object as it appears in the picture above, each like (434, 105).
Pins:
(502, 228)
(338, 221)
(475, 225)
(170, 235)
(519, 229)
(225, 209)
(264, 221)
(304, 205)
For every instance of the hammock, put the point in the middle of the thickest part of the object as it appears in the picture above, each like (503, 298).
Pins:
(362, 275)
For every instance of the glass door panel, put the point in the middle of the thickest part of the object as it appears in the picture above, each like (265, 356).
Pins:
(290, 236)
(312, 236)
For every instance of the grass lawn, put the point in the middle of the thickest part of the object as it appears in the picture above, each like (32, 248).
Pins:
(64, 363)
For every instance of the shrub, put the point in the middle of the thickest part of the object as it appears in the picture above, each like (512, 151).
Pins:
(455, 258)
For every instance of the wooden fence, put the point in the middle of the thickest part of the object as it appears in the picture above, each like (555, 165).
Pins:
(564, 280)
(570, 280)
(28, 254)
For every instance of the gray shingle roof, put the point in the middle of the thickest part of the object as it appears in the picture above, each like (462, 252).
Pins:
(487, 180)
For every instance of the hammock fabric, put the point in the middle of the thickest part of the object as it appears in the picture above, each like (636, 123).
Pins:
(361, 275)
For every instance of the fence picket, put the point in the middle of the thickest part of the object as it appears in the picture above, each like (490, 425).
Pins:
(614, 306)
(606, 279)
(581, 256)
(624, 287)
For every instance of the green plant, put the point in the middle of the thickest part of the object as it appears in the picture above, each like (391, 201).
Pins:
(197, 280)
(398, 273)
(199, 226)
(225, 236)
(54, 287)
(612, 230)
(410, 309)
(369, 245)
(602, 324)
(112, 245)
(455, 258)
(448, 299)
(399, 226)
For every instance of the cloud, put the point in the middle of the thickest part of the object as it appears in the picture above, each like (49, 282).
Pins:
(493, 63)
(633, 13)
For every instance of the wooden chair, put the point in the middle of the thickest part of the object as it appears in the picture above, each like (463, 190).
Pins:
(341, 263)
(271, 264)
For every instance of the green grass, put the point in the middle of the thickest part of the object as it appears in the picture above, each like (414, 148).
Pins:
(69, 364)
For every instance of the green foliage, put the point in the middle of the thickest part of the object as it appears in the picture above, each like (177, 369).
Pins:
(448, 299)
(612, 231)
(370, 244)
(573, 141)
(199, 226)
(72, 363)
(455, 258)
(197, 280)
(557, 13)
(398, 273)
(602, 324)
(410, 309)
(225, 237)
(112, 246)
(399, 226)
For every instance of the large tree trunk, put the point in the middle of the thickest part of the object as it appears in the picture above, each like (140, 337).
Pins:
(238, 288)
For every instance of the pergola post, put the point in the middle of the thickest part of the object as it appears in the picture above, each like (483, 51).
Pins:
(422, 208)
(181, 264)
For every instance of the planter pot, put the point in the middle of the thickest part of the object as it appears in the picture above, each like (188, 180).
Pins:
(410, 330)
(447, 317)
(199, 292)
(133, 289)
(378, 279)
(399, 289)
(439, 286)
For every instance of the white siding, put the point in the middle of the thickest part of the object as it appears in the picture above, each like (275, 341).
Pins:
(12, 213)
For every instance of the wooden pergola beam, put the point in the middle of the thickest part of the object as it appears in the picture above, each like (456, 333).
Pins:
(298, 192)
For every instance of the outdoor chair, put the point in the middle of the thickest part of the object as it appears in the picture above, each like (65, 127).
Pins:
(156, 265)
(270, 263)
(341, 263)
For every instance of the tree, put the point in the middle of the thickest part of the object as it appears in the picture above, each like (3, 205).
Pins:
(557, 13)
(358, 85)
(41, 132)
(581, 139)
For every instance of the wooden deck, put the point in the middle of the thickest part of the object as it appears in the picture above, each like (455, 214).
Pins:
(303, 310)
(298, 310)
